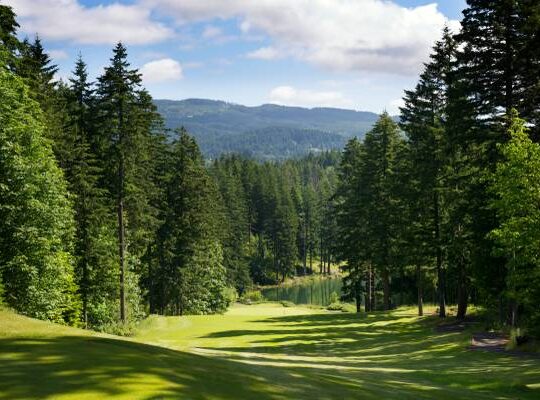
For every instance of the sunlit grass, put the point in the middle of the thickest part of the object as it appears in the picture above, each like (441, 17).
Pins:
(263, 351)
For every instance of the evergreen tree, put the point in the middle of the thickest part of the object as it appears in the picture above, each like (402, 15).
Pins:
(8, 36)
(188, 275)
(95, 250)
(382, 145)
(423, 119)
(351, 217)
(126, 119)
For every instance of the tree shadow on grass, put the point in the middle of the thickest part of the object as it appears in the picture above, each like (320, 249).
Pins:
(383, 348)
(42, 368)
(332, 356)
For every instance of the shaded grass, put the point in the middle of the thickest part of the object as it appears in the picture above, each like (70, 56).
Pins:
(265, 352)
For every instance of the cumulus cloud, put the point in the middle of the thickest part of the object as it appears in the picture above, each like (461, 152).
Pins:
(211, 32)
(265, 53)
(58, 54)
(162, 70)
(101, 24)
(367, 35)
(290, 96)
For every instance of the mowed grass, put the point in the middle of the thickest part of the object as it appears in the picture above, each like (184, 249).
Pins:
(263, 351)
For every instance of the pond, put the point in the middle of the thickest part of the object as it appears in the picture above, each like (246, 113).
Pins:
(316, 291)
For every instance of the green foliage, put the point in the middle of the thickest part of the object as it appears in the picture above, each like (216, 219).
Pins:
(230, 295)
(37, 229)
(264, 133)
(516, 186)
(334, 297)
(252, 297)
(188, 275)
(369, 207)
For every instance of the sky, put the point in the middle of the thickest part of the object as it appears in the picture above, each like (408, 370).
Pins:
(355, 54)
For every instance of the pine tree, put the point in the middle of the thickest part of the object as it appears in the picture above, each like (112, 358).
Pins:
(351, 218)
(8, 36)
(423, 119)
(127, 119)
(188, 275)
(382, 145)
(97, 269)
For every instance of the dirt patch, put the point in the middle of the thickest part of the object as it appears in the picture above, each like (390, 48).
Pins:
(489, 341)
(496, 343)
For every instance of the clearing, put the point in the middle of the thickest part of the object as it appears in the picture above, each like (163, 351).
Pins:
(264, 351)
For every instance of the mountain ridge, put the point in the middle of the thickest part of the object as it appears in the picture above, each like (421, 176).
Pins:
(268, 131)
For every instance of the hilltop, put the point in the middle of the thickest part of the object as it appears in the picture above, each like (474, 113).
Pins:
(264, 132)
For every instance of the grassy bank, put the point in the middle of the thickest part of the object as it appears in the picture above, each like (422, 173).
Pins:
(263, 351)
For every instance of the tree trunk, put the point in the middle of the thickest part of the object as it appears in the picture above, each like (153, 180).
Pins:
(122, 248)
(322, 258)
(441, 284)
(420, 291)
(304, 247)
(367, 300)
(386, 288)
(373, 304)
(463, 294)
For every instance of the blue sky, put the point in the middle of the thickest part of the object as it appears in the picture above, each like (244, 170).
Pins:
(358, 54)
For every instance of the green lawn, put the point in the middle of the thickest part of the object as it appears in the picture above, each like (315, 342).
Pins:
(258, 352)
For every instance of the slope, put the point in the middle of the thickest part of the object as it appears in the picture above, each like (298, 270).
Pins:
(266, 352)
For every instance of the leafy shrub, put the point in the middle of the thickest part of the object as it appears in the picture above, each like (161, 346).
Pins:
(230, 294)
(120, 329)
(335, 307)
(334, 298)
(252, 297)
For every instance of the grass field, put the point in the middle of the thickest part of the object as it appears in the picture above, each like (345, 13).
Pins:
(258, 352)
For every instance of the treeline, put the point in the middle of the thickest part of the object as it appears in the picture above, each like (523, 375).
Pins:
(449, 196)
(278, 219)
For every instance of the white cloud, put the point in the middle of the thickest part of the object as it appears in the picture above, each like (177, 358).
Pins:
(101, 24)
(162, 70)
(265, 53)
(346, 35)
(211, 32)
(290, 96)
(58, 54)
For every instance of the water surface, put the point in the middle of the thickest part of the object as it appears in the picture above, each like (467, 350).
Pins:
(309, 292)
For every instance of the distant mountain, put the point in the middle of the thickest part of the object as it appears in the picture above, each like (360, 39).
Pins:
(264, 132)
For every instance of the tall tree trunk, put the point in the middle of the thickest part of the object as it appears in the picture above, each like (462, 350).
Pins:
(304, 245)
(358, 294)
(311, 258)
(122, 242)
(373, 304)
(322, 257)
(441, 284)
(463, 293)
(386, 288)
(367, 300)
(420, 291)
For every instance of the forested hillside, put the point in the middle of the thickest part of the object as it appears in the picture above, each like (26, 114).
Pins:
(267, 132)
